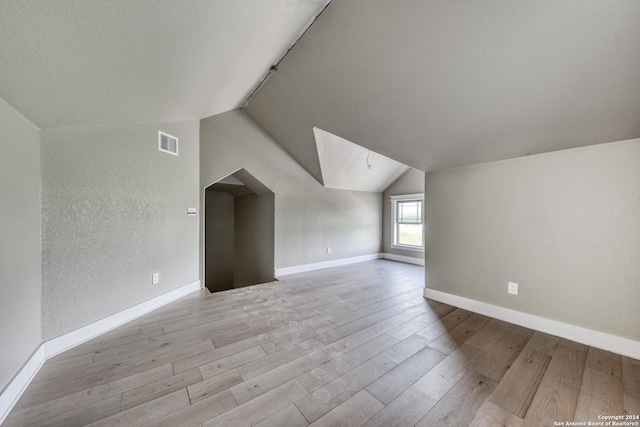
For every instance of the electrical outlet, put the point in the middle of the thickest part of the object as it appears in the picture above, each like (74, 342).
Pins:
(155, 278)
(512, 288)
(328, 250)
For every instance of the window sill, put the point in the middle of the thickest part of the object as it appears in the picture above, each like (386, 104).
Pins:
(408, 248)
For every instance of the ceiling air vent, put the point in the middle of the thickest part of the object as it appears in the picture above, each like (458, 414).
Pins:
(167, 143)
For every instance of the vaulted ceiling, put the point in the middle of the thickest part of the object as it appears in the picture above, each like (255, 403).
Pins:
(83, 62)
(429, 83)
(442, 83)
(347, 166)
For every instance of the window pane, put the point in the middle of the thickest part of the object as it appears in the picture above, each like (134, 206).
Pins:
(409, 212)
(410, 234)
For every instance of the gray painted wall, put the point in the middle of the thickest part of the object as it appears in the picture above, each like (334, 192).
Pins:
(114, 212)
(20, 278)
(308, 217)
(219, 238)
(411, 182)
(564, 225)
(254, 239)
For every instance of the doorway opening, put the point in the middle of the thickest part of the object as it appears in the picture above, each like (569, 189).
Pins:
(238, 232)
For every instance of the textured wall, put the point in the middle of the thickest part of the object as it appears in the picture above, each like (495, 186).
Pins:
(412, 182)
(20, 278)
(308, 217)
(114, 212)
(564, 225)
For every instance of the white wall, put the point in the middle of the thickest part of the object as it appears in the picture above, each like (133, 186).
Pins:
(411, 182)
(114, 213)
(20, 277)
(308, 217)
(564, 225)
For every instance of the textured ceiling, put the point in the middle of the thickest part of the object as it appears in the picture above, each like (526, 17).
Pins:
(81, 62)
(441, 83)
(347, 166)
(431, 84)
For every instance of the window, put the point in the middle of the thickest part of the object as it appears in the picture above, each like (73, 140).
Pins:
(406, 216)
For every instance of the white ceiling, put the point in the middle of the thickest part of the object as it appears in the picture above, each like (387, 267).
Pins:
(347, 166)
(437, 84)
(81, 62)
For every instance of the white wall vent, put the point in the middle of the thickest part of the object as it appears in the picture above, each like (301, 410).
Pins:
(167, 143)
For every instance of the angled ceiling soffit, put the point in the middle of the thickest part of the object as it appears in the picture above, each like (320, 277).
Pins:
(348, 166)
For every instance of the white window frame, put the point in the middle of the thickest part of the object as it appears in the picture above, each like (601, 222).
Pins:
(394, 225)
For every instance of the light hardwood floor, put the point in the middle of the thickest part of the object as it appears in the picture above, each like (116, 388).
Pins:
(349, 346)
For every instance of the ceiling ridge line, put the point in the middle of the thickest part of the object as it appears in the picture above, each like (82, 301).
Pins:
(275, 66)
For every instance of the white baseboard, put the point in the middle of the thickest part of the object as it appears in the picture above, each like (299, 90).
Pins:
(18, 385)
(20, 382)
(74, 338)
(325, 264)
(604, 341)
(402, 258)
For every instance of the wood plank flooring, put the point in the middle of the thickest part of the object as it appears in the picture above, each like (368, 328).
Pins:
(351, 346)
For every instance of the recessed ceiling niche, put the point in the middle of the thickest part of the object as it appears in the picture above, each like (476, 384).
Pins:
(348, 166)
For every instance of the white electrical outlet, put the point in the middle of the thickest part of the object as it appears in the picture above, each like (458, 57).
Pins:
(328, 250)
(512, 288)
(155, 278)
